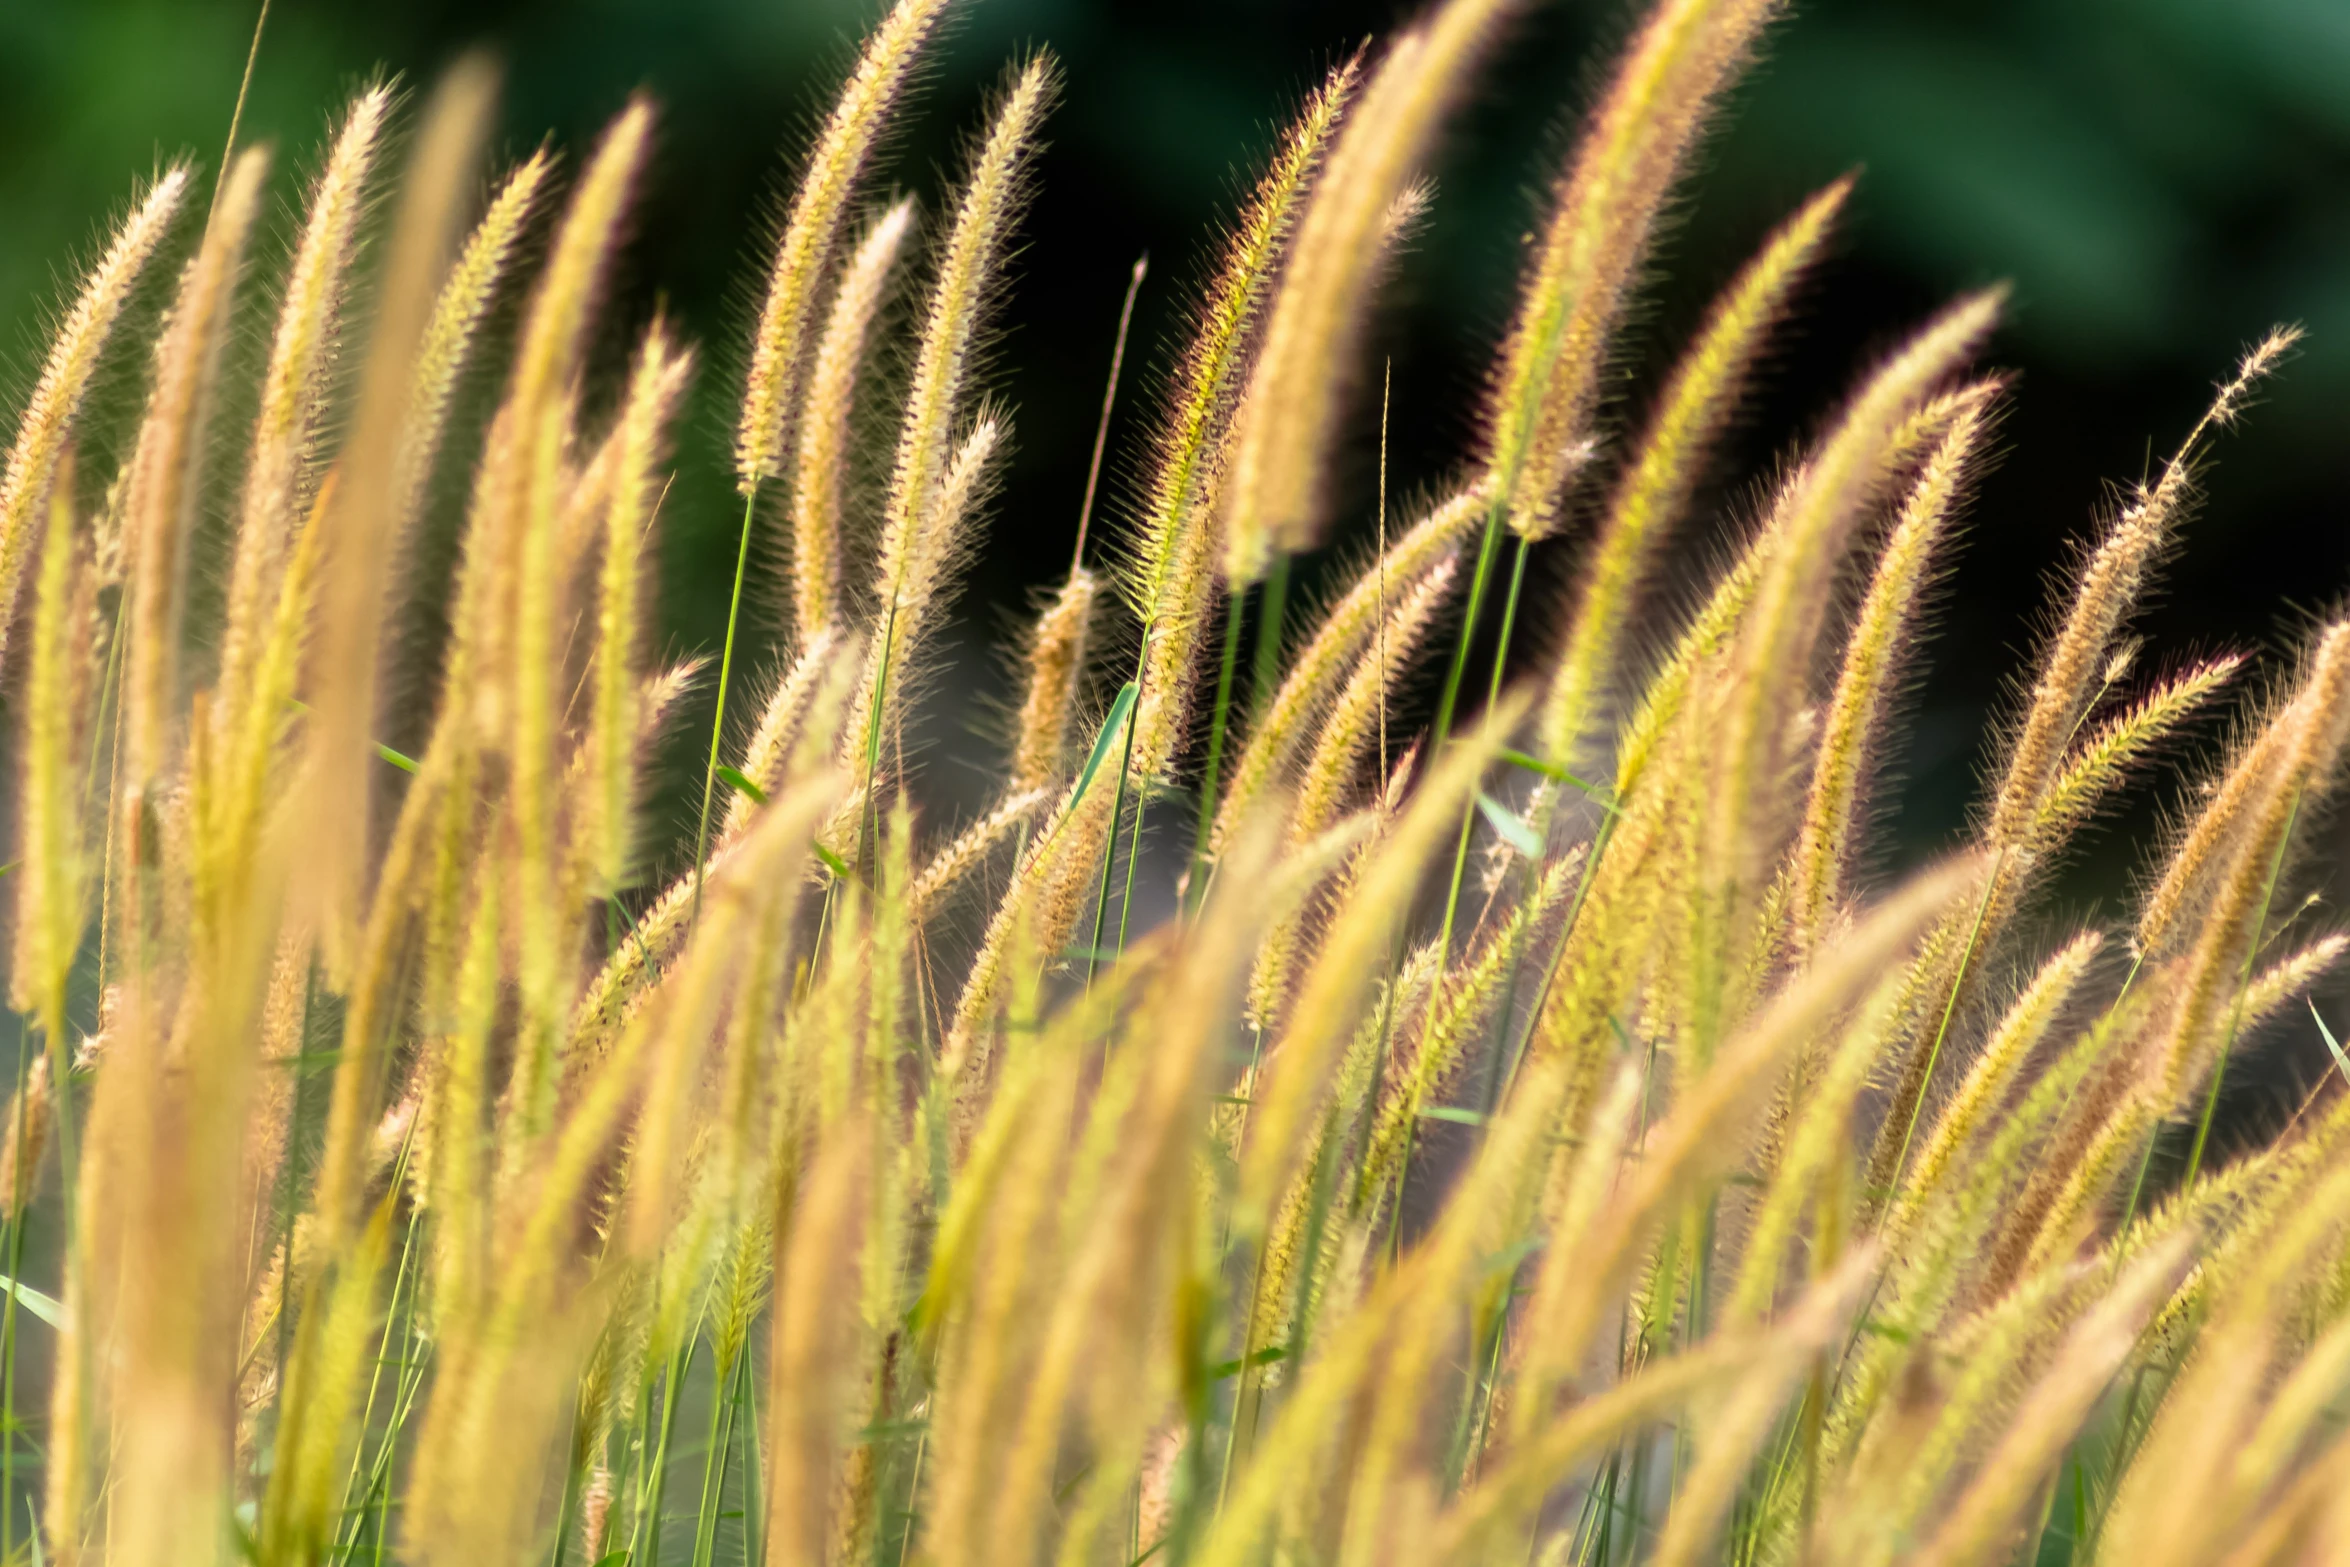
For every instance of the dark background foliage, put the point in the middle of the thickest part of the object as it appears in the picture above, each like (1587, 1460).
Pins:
(2160, 179)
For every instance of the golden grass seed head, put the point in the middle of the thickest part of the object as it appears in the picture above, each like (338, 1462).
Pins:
(917, 567)
(1858, 708)
(2105, 757)
(1280, 438)
(1609, 203)
(655, 388)
(967, 279)
(959, 858)
(1350, 727)
(161, 501)
(1816, 519)
(58, 695)
(395, 427)
(1323, 1013)
(1064, 1170)
(785, 337)
(822, 448)
(554, 333)
(2104, 592)
(2254, 815)
(1171, 582)
(452, 339)
(1056, 671)
(1318, 668)
(524, 660)
(31, 1115)
(1656, 484)
(2002, 1059)
(1819, 1137)
(56, 401)
(295, 384)
(2212, 837)
(782, 719)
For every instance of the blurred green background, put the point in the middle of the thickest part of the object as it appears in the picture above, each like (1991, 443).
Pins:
(2161, 179)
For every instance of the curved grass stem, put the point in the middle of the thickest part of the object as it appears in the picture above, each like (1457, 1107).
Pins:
(644, 1535)
(1942, 1028)
(8, 1314)
(734, 606)
(714, 1460)
(1218, 719)
(1101, 906)
(1480, 582)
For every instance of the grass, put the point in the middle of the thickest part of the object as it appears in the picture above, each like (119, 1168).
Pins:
(1530, 1139)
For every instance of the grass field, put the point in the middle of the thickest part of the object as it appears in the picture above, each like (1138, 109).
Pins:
(1533, 1136)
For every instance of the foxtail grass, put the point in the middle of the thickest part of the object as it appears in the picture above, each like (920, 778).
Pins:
(458, 1160)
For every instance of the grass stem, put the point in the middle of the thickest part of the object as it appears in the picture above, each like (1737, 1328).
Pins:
(734, 606)
(1488, 550)
(1218, 719)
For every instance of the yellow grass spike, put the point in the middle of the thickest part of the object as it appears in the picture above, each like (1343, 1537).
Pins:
(772, 400)
(1280, 441)
(57, 397)
(1608, 205)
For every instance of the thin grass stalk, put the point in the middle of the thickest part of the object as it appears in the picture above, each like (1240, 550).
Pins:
(1101, 431)
(1501, 654)
(1210, 769)
(22, 1153)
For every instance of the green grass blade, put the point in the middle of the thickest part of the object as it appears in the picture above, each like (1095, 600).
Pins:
(46, 1307)
(1511, 827)
(1121, 708)
(733, 778)
(2332, 1044)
